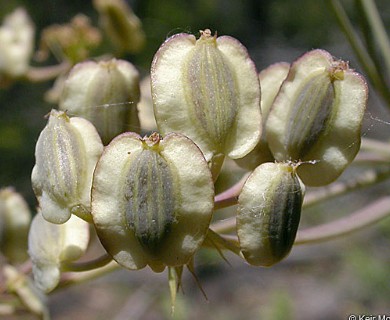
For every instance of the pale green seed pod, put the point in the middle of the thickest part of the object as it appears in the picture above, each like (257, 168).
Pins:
(66, 154)
(317, 116)
(121, 25)
(51, 245)
(269, 210)
(271, 79)
(16, 44)
(145, 107)
(15, 218)
(152, 200)
(105, 93)
(73, 41)
(208, 89)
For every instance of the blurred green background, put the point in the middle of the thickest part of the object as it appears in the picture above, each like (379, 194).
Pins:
(326, 281)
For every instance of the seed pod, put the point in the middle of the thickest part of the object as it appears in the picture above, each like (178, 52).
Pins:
(145, 107)
(16, 44)
(152, 200)
(317, 115)
(121, 25)
(66, 154)
(51, 245)
(271, 79)
(73, 41)
(105, 93)
(269, 210)
(15, 218)
(208, 90)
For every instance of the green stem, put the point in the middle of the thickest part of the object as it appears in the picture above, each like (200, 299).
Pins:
(366, 31)
(378, 31)
(69, 279)
(361, 53)
(87, 265)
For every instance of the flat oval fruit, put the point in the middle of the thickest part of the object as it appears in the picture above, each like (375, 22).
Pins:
(66, 154)
(105, 93)
(317, 117)
(50, 246)
(208, 89)
(152, 200)
(271, 79)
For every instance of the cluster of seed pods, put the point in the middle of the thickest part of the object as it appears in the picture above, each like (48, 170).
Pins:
(151, 198)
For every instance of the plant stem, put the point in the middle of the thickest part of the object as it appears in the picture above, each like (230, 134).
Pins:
(360, 219)
(230, 196)
(41, 74)
(366, 31)
(361, 53)
(364, 179)
(87, 265)
(26, 267)
(224, 226)
(69, 279)
(378, 147)
(378, 31)
(368, 215)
